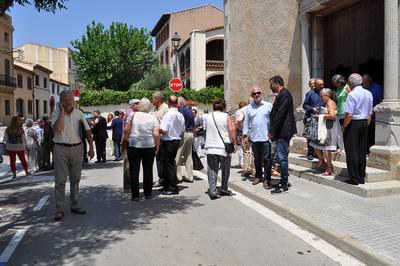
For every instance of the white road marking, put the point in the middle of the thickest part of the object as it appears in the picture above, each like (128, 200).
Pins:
(41, 203)
(9, 250)
(316, 242)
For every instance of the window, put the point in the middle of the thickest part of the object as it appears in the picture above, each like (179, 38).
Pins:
(19, 81)
(30, 107)
(6, 37)
(37, 80)
(167, 56)
(45, 107)
(53, 88)
(69, 62)
(44, 82)
(162, 59)
(29, 83)
(7, 107)
(58, 89)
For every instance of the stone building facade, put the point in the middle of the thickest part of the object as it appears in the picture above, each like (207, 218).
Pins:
(23, 94)
(299, 39)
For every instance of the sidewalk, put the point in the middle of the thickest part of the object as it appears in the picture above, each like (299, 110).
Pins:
(367, 228)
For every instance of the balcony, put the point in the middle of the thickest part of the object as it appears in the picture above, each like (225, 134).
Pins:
(185, 74)
(8, 81)
(214, 65)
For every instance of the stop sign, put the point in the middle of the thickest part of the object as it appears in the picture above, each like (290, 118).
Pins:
(175, 84)
(77, 92)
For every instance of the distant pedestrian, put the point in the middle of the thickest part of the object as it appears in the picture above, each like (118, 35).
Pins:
(15, 139)
(255, 129)
(220, 130)
(198, 132)
(184, 160)
(161, 108)
(47, 143)
(143, 134)
(172, 127)
(99, 131)
(68, 152)
(110, 118)
(282, 129)
(32, 145)
(239, 119)
(355, 127)
(116, 127)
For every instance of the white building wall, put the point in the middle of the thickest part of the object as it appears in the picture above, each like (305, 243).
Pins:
(198, 60)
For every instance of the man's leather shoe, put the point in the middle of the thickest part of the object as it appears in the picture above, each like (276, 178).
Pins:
(171, 192)
(59, 216)
(78, 210)
(163, 189)
(267, 184)
(97, 162)
(256, 181)
(352, 182)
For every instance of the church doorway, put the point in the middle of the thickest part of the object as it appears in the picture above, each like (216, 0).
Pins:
(354, 41)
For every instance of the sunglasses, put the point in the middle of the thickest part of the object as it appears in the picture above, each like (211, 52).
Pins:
(256, 93)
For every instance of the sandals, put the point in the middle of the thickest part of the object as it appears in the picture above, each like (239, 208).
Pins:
(225, 193)
(329, 171)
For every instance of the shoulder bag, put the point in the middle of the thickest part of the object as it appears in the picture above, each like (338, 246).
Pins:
(229, 147)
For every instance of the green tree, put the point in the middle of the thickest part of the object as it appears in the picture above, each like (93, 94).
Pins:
(113, 58)
(46, 5)
(156, 79)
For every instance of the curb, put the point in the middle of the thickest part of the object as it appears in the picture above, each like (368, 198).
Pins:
(342, 241)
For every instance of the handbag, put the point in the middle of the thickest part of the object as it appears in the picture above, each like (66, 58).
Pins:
(125, 140)
(197, 164)
(229, 147)
(3, 148)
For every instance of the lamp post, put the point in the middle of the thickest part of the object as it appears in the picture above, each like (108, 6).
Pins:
(176, 39)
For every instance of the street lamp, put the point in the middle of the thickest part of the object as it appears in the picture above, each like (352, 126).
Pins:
(176, 39)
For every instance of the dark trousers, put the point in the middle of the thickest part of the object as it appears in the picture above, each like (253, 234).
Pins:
(282, 152)
(117, 149)
(355, 142)
(85, 151)
(168, 152)
(262, 157)
(47, 149)
(371, 133)
(310, 149)
(101, 150)
(159, 166)
(146, 156)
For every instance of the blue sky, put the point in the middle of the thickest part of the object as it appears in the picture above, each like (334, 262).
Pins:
(57, 30)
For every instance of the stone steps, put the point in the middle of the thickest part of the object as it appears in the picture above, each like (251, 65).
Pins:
(372, 174)
(368, 190)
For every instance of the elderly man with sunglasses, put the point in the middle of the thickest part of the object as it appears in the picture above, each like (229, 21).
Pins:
(256, 128)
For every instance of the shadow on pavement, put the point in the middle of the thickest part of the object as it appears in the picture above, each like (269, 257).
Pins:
(111, 217)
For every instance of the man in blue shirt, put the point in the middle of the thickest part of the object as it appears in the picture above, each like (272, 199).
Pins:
(377, 96)
(355, 127)
(184, 160)
(117, 129)
(312, 103)
(256, 127)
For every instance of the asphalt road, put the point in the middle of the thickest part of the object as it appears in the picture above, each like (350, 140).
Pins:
(185, 229)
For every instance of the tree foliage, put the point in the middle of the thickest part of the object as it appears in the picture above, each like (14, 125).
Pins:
(156, 79)
(115, 57)
(46, 5)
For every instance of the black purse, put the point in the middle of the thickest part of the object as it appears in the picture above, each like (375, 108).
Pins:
(229, 147)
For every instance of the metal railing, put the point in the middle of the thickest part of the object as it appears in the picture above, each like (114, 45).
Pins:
(212, 65)
(8, 81)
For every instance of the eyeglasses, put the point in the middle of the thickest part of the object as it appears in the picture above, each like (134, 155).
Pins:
(256, 93)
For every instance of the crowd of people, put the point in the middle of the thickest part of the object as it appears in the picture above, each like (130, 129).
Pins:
(175, 135)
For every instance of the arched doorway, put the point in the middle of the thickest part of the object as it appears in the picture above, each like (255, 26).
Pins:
(20, 106)
(215, 50)
(215, 81)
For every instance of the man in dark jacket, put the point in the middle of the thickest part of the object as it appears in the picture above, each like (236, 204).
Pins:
(282, 129)
(47, 144)
(117, 129)
(99, 131)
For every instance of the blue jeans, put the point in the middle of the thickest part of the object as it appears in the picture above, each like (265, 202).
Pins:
(262, 157)
(117, 150)
(282, 152)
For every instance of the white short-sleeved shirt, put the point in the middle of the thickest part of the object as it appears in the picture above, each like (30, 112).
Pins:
(172, 124)
(142, 130)
(72, 127)
(161, 111)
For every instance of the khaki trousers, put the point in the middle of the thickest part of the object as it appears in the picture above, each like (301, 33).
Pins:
(67, 162)
(184, 160)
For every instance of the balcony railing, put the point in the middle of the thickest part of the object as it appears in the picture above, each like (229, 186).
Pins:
(185, 74)
(214, 65)
(8, 81)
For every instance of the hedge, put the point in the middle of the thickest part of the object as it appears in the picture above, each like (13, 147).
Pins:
(90, 97)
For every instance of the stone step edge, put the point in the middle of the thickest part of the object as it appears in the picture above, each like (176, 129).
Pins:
(303, 172)
(342, 241)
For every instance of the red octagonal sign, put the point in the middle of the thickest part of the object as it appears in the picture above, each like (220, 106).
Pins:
(175, 84)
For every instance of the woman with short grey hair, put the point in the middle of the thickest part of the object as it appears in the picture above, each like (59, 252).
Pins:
(32, 145)
(324, 147)
(143, 135)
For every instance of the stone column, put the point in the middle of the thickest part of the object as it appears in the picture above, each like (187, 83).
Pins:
(386, 152)
(305, 53)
